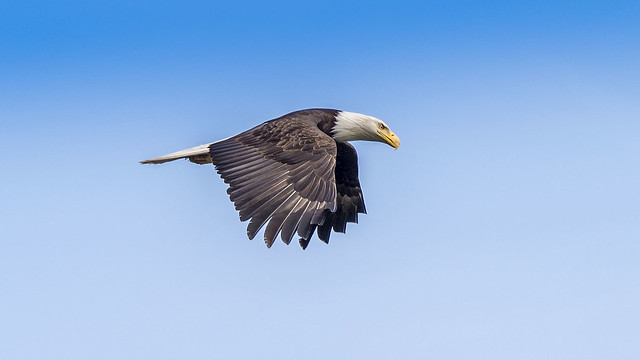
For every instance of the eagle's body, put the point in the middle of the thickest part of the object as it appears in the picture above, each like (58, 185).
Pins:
(296, 172)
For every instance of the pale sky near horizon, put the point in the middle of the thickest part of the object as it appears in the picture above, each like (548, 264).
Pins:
(506, 226)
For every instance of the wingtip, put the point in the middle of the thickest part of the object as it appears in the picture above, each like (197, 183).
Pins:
(268, 242)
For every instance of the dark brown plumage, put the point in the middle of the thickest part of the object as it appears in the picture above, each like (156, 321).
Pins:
(291, 174)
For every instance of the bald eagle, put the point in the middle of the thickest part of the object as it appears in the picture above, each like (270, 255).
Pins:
(296, 172)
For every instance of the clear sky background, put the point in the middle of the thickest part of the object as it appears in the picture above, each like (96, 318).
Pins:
(506, 226)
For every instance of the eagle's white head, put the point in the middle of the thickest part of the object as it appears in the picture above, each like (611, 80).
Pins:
(353, 126)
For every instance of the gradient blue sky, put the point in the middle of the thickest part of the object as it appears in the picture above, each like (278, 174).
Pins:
(507, 225)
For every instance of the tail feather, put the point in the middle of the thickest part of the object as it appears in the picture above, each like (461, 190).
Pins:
(198, 155)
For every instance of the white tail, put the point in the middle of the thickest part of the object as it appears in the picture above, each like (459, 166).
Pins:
(198, 154)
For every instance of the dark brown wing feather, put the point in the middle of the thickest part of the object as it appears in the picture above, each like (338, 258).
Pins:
(280, 172)
(350, 201)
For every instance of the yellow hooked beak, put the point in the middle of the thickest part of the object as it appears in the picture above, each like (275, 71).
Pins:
(389, 137)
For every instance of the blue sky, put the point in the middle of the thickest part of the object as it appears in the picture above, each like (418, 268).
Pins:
(505, 226)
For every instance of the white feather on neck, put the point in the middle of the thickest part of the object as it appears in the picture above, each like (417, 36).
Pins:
(353, 126)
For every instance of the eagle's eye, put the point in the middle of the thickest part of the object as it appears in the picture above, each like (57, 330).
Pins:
(381, 127)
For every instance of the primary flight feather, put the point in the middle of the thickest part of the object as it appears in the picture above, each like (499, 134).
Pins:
(296, 173)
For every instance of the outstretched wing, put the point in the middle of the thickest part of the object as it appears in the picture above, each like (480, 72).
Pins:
(280, 172)
(349, 202)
